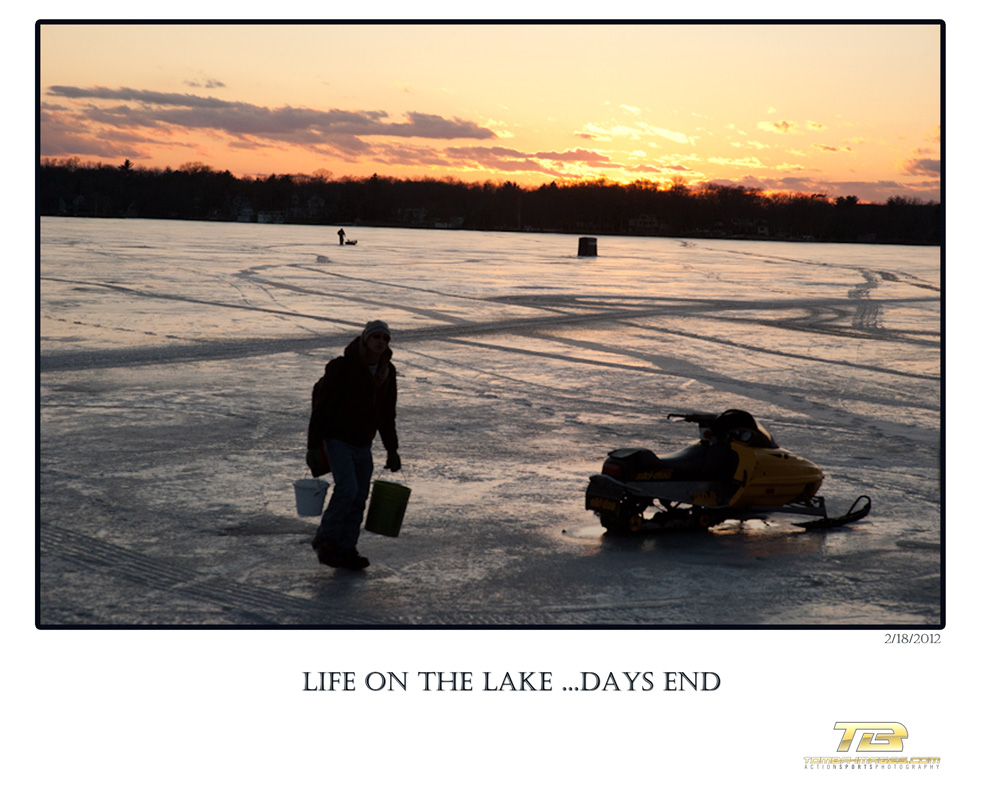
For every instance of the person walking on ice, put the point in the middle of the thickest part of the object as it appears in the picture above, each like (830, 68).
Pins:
(354, 400)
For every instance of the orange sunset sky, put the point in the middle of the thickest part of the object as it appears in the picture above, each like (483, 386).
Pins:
(841, 109)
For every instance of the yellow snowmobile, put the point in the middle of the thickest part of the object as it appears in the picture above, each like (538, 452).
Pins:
(735, 471)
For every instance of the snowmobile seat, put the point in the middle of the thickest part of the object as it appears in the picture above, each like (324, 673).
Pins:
(700, 461)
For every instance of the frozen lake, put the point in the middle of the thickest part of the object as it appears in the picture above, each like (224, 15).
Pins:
(177, 360)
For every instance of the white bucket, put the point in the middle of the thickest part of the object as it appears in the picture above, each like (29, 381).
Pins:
(310, 494)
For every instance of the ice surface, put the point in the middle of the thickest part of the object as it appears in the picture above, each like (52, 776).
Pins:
(177, 360)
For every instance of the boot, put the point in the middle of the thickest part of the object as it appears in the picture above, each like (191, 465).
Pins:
(337, 557)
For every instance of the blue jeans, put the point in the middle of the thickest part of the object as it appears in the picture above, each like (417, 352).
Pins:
(351, 468)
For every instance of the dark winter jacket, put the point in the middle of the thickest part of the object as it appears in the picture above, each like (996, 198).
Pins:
(352, 405)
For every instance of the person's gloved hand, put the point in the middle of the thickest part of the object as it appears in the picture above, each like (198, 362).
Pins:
(316, 461)
(392, 463)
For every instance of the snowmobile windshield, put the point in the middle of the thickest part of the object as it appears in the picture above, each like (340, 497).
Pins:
(731, 425)
(758, 437)
(742, 427)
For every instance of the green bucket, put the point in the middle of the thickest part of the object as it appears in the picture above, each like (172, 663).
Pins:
(387, 507)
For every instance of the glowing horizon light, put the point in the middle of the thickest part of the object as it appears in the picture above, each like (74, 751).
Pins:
(835, 109)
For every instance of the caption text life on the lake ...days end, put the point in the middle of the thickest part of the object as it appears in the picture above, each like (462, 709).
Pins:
(534, 681)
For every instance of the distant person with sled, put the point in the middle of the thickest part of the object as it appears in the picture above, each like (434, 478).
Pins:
(341, 234)
(354, 400)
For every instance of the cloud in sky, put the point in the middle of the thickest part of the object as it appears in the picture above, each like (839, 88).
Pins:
(784, 126)
(561, 164)
(751, 161)
(208, 83)
(62, 133)
(632, 131)
(873, 191)
(923, 166)
(124, 110)
(576, 156)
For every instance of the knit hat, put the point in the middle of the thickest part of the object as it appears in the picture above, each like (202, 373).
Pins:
(375, 326)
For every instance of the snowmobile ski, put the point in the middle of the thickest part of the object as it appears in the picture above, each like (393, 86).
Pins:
(855, 513)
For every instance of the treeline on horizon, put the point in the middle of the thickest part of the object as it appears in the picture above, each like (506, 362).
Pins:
(197, 192)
